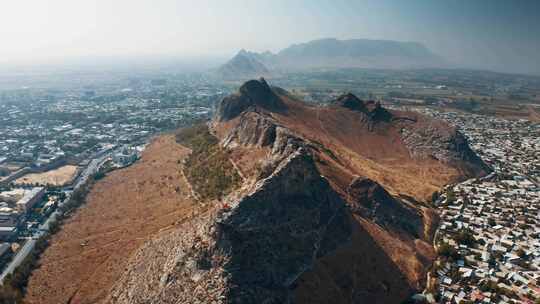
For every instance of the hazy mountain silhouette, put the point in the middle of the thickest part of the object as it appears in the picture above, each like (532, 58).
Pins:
(332, 53)
(243, 65)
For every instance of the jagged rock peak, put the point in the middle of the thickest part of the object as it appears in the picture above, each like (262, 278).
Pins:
(276, 233)
(350, 101)
(252, 93)
(373, 109)
(261, 94)
(377, 112)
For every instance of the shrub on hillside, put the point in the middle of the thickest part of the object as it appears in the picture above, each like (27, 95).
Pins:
(208, 167)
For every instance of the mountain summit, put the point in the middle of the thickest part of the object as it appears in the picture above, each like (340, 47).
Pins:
(302, 204)
(251, 94)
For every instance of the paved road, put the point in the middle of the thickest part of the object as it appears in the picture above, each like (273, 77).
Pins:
(91, 169)
(27, 248)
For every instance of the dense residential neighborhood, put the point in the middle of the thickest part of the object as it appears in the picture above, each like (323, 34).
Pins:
(489, 235)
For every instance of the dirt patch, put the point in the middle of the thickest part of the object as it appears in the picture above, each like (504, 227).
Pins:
(57, 177)
(123, 210)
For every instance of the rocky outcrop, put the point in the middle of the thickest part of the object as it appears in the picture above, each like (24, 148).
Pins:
(377, 113)
(261, 94)
(257, 130)
(372, 110)
(443, 143)
(252, 94)
(351, 102)
(446, 145)
(370, 200)
(253, 129)
(276, 233)
(252, 251)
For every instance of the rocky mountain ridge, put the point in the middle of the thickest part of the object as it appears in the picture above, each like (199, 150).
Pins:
(308, 225)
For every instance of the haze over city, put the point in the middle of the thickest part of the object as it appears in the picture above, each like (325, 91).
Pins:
(498, 35)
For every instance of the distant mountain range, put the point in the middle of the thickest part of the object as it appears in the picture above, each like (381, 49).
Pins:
(331, 53)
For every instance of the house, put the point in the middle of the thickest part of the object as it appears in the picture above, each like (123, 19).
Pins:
(7, 233)
(30, 198)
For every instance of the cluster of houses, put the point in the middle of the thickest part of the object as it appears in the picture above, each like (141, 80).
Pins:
(42, 134)
(14, 206)
(489, 236)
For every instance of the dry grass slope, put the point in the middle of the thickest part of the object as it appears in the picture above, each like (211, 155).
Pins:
(123, 210)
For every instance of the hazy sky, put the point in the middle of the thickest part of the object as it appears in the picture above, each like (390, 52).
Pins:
(497, 34)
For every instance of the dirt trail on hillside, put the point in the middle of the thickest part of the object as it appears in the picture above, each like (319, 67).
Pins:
(123, 210)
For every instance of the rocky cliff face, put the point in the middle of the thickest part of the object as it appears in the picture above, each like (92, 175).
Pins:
(372, 201)
(351, 102)
(306, 227)
(276, 233)
(374, 111)
(447, 145)
(252, 251)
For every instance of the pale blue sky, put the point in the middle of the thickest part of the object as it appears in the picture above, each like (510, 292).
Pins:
(496, 34)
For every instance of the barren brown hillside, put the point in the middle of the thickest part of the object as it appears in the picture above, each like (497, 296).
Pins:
(122, 211)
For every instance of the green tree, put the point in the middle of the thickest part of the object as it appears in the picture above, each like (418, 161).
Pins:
(465, 237)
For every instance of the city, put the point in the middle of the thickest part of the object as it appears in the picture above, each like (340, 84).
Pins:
(489, 235)
(51, 144)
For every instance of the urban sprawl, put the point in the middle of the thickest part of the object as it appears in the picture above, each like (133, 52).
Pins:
(489, 236)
